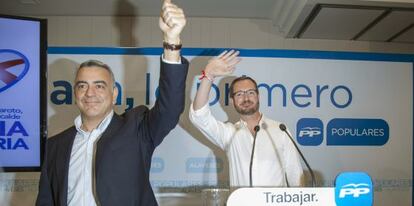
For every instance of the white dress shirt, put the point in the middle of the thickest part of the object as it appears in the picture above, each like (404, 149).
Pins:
(82, 160)
(274, 156)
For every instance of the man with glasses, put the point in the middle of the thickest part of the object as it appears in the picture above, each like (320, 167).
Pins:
(274, 160)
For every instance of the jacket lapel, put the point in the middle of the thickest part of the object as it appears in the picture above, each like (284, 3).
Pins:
(62, 163)
(102, 144)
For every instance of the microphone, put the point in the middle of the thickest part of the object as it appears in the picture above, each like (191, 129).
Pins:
(256, 130)
(283, 128)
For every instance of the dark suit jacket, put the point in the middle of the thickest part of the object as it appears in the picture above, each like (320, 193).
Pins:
(124, 151)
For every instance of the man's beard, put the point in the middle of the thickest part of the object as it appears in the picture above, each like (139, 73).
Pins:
(247, 111)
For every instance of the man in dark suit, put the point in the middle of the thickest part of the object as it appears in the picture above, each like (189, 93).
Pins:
(105, 159)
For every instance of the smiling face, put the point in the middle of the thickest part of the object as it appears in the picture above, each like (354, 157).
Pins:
(245, 97)
(95, 93)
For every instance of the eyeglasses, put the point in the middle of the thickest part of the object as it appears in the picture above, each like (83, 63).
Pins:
(249, 93)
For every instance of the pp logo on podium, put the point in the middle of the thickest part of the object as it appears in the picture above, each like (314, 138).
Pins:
(353, 188)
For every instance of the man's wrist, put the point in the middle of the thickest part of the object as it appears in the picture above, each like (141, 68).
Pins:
(172, 47)
(172, 40)
(206, 75)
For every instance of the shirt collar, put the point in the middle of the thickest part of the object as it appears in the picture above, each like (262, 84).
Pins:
(100, 128)
(259, 123)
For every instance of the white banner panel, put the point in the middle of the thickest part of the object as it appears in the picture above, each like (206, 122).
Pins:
(357, 93)
(283, 196)
(347, 111)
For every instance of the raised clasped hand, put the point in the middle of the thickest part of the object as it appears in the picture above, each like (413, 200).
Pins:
(172, 22)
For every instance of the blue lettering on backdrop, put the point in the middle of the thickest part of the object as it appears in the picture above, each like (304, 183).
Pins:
(217, 94)
(12, 144)
(301, 95)
(8, 141)
(269, 92)
(306, 94)
(226, 93)
(119, 97)
(17, 127)
(64, 96)
(347, 90)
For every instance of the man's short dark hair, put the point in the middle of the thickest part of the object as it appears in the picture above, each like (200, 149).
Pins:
(96, 63)
(238, 79)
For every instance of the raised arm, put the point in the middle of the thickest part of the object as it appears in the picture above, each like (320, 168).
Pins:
(172, 22)
(164, 116)
(200, 115)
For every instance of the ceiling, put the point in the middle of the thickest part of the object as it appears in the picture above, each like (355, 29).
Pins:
(365, 20)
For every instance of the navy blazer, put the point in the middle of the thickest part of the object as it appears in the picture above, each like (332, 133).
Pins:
(124, 151)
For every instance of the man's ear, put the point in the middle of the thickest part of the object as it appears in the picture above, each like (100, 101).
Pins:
(114, 95)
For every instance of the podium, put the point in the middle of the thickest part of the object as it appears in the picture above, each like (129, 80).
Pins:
(351, 188)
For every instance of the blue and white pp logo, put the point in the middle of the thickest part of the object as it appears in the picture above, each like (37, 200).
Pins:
(13, 67)
(353, 188)
(309, 131)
